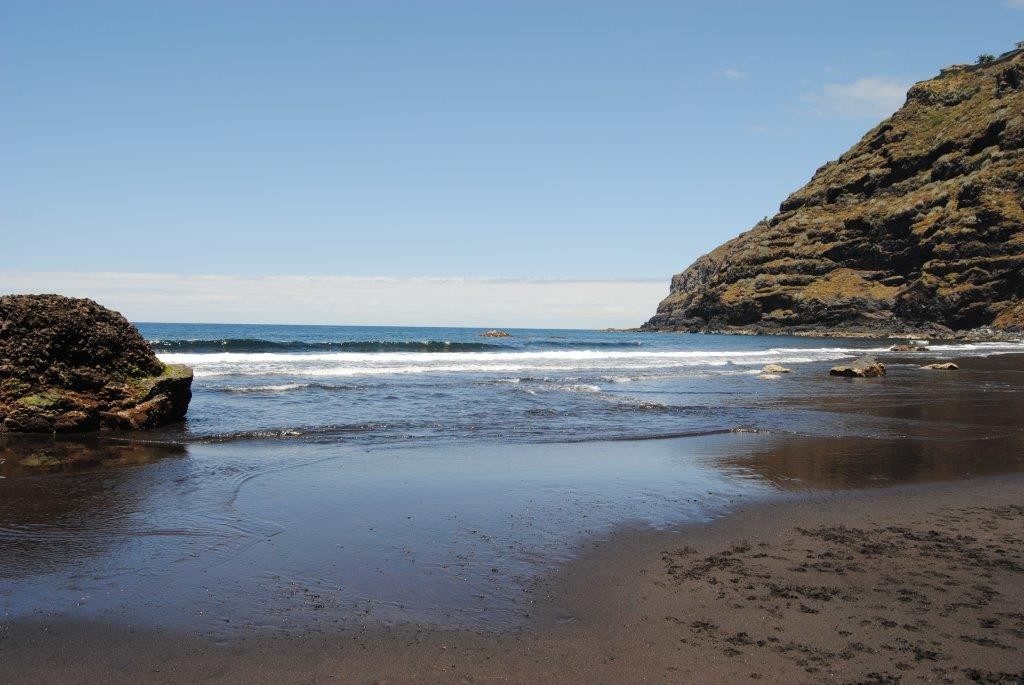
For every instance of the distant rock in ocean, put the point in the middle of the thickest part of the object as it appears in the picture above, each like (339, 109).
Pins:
(917, 228)
(496, 334)
(69, 365)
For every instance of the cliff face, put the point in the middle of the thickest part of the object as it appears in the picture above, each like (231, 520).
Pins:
(68, 365)
(917, 228)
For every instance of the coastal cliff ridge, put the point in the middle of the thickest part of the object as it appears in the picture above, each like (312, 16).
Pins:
(918, 228)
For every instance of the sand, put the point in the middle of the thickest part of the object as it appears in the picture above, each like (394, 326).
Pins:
(919, 583)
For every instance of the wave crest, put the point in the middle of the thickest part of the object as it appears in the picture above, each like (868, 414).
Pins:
(256, 345)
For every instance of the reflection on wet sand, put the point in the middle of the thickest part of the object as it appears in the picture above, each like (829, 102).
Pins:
(985, 398)
(796, 462)
(941, 426)
(23, 455)
(53, 514)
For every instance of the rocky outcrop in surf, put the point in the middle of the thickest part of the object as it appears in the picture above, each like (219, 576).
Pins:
(917, 228)
(864, 367)
(69, 365)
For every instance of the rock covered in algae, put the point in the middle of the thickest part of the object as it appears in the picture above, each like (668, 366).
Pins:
(70, 365)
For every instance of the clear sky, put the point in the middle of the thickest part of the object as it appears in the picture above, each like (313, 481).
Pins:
(520, 140)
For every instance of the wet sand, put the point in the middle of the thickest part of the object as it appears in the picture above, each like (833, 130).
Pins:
(915, 583)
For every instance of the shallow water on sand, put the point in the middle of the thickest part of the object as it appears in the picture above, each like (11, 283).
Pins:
(287, 534)
(319, 532)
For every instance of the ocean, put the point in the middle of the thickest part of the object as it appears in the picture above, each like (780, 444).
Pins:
(403, 385)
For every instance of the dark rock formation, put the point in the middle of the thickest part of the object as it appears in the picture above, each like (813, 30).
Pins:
(944, 366)
(864, 367)
(69, 365)
(917, 228)
(903, 347)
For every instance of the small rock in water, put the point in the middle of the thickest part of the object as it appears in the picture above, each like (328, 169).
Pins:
(945, 366)
(496, 334)
(864, 367)
(774, 368)
(912, 347)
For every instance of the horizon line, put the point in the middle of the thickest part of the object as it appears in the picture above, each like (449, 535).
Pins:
(375, 278)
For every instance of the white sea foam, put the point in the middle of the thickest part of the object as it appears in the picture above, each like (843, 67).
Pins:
(282, 387)
(484, 357)
(579, 387)
(614, 363)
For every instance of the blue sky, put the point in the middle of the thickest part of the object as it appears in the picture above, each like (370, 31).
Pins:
(523, 140)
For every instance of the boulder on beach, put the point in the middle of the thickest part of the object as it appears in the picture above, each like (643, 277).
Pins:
(944, 366)
(774, 368)
(864, 367)
(69, 365)
(496, 334)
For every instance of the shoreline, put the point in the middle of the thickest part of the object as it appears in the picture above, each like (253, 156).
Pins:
(915, 581)
(982, 335)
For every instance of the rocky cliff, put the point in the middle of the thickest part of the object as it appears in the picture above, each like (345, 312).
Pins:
(917, 228)
(69, 365)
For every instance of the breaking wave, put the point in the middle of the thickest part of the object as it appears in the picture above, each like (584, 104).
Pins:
(257, 345)
(618, 363)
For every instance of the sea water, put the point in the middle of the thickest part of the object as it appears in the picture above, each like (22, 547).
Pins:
(401, 385)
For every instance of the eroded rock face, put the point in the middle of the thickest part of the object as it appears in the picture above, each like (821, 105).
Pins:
(917, 228)
(1011, 319)
(70, 365)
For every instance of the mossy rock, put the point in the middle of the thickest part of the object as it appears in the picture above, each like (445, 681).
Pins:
(71, 365)
(44, 400)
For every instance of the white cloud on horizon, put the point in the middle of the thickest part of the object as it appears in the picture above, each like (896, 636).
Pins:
(472, 302)
(734, 74)
(872, 96)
